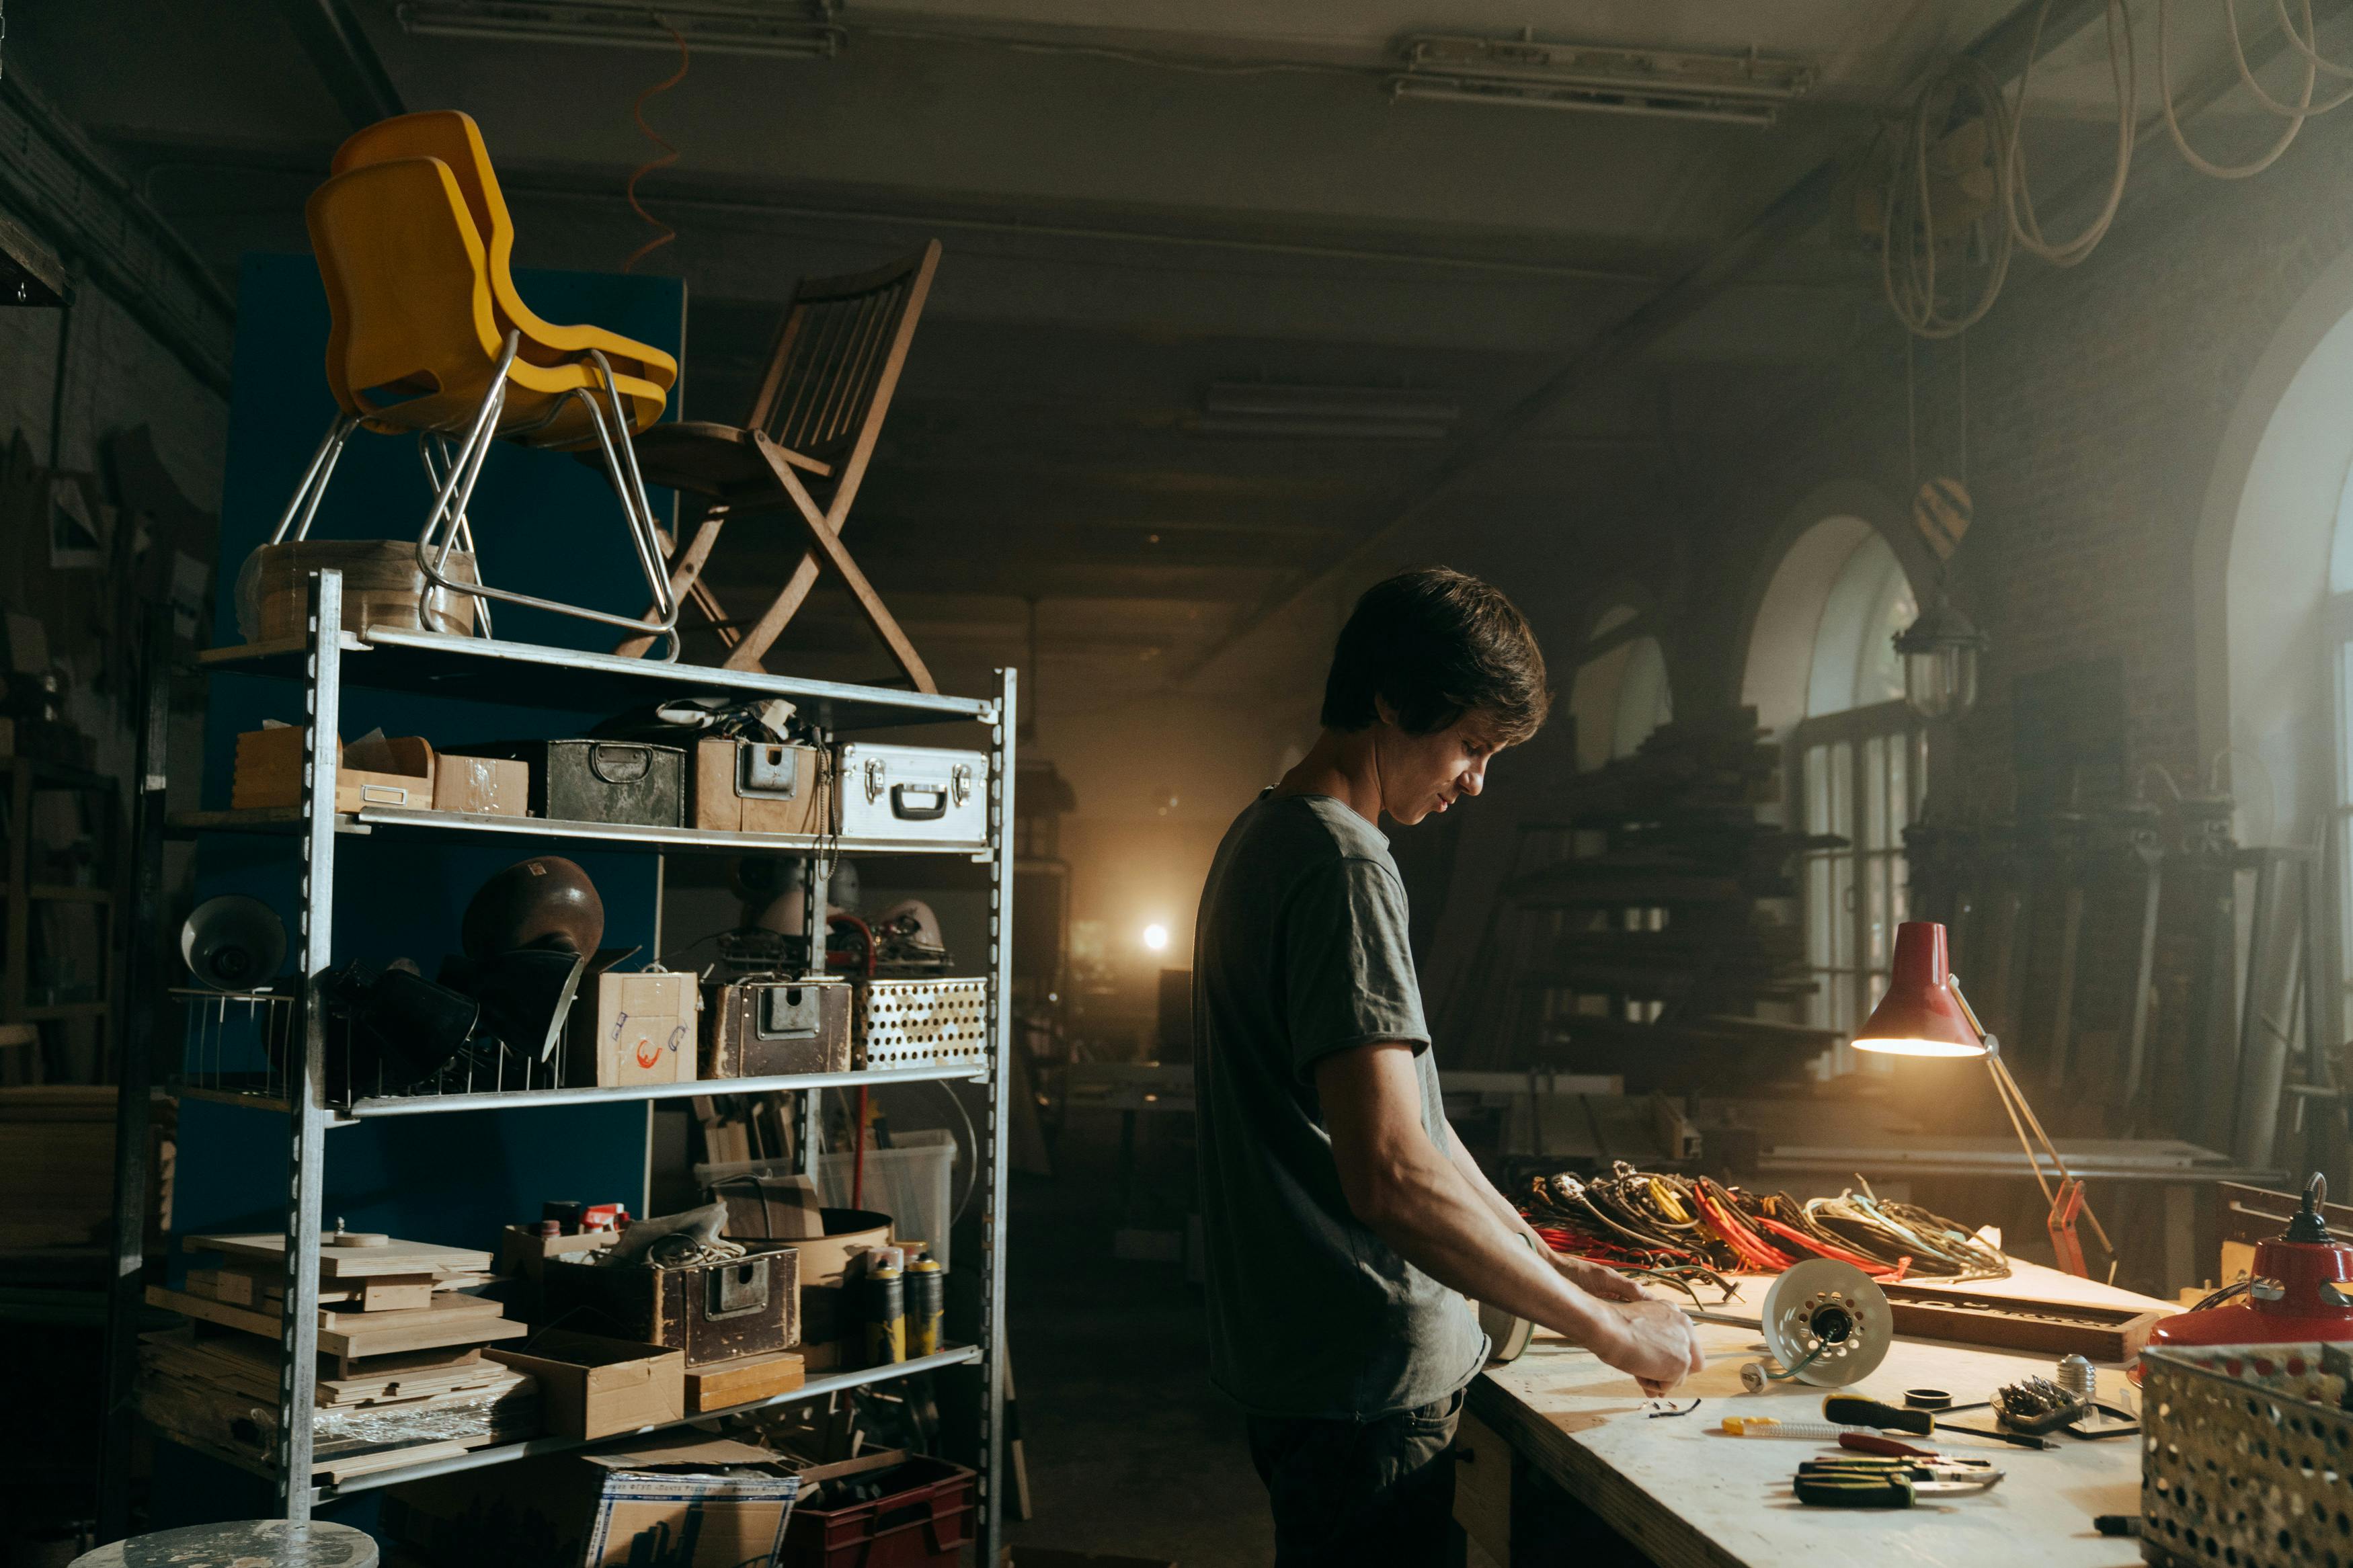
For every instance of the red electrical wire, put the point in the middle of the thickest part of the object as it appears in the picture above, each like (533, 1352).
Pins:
(668, 156)
(858, 1134)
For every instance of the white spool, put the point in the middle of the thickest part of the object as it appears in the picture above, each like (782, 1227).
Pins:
(1832, 1312)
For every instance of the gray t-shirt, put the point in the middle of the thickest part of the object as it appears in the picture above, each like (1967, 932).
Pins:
(1299, 951)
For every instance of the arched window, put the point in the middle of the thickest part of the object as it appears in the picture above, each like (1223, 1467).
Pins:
(1620, 692)
(1824, 671)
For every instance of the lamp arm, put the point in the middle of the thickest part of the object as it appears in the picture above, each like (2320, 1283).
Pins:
(2013, 1101)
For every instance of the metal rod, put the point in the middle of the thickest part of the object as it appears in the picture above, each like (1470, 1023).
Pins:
(143, 939)
(1002, 743)
(307, 1144)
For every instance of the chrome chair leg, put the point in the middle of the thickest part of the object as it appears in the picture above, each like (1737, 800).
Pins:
(446, 522)
(312, 490)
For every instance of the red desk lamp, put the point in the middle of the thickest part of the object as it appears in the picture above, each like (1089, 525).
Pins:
(1924, 1013)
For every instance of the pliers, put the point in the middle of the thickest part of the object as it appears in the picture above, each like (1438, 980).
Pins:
(1860, 1482)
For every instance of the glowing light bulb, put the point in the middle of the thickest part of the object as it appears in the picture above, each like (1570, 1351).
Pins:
(1155, 937)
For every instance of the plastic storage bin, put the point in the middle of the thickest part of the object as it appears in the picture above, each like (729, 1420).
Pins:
(926, 1518)
(912, 1182)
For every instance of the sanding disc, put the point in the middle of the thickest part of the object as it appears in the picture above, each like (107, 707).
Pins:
(1828, 1322)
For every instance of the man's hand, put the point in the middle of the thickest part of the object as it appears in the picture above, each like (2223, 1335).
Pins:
(1594, 1280)
(1661, 1348)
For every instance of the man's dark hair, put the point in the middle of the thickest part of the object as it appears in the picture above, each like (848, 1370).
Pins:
(1437, 644)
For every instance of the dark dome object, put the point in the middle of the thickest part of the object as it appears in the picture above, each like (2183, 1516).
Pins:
(545, 901)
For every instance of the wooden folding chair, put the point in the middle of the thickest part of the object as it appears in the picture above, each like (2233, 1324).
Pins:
(819, 409)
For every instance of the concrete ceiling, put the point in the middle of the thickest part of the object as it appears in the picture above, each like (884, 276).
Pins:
(1207, 190)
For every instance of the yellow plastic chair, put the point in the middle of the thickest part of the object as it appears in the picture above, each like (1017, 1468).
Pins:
(417, 346)
(457, 141)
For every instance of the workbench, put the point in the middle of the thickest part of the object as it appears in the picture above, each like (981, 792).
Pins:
(1684, 1493)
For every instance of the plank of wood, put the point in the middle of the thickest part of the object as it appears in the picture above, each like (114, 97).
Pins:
(2057, 1328)
(339, 1336)
(742, 1382)
(340, 1470)
(355, 1344)
(447, 1306)
(355, 1262)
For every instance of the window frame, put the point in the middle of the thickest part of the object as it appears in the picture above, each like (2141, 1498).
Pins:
(1869, 876)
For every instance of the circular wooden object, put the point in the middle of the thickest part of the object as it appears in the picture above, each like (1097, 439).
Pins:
(356, 1239)
(240, 1543)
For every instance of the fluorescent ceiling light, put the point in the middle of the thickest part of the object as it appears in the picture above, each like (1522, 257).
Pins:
(1334, 413)
(714, 27)
(1526, 71)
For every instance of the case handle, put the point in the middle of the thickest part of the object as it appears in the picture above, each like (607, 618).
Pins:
(904, 801)
(621, 764)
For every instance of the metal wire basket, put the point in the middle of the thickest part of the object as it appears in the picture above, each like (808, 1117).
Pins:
(2247, 1456)
(922, 1023)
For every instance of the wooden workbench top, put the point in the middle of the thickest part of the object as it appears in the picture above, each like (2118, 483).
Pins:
(1687, 1493)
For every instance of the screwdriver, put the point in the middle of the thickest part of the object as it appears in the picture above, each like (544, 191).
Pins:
(1848, 1409)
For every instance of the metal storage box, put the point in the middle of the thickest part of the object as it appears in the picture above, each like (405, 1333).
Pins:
(930, 1022)
(714, 1311)
(763, 1029)
(914, 791)
(2244, 1455)
(624, 782)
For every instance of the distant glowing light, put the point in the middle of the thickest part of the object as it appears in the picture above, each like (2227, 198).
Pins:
(1155, 937)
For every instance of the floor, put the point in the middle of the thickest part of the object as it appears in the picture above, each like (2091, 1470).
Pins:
(1130, 1448)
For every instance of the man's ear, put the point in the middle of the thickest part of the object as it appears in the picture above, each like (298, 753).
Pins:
(1383, 712)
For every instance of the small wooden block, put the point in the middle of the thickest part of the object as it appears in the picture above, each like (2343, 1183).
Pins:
(233, 1285)
(399, 1293)
(742, 1382)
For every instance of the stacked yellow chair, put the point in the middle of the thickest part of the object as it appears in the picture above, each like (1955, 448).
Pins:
(431, 338)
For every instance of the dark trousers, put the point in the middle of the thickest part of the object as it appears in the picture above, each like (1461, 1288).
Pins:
(1360, 1492)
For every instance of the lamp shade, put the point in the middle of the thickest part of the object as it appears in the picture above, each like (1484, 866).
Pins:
(1919, 1016)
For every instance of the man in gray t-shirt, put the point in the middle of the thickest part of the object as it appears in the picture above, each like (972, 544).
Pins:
(1343, 1217)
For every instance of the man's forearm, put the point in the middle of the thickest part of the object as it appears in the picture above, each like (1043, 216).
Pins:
(1445, 1222)
(1491, 1196)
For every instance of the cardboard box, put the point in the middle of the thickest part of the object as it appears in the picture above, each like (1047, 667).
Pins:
(268, 772)
(687, 1500)
(741, 1382)
(641, 1030)
(590, 1387)
(754, 787)
(485, 786)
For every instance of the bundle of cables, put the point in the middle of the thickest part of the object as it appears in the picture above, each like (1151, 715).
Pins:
(1679, 1230)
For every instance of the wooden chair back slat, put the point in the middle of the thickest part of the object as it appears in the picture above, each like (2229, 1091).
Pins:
(838, 356)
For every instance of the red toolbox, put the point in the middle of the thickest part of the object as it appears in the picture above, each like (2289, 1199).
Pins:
(925, 1518)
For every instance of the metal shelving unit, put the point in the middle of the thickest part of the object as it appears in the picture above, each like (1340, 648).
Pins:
(329, 659)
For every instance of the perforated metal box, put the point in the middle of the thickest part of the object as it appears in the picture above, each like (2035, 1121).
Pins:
(930, 1022)
(2246, 1456)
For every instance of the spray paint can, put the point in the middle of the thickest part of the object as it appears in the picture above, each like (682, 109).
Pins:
(886, 1315)
(927, 1303)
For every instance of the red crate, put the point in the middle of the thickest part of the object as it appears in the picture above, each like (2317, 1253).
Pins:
(928, 1520)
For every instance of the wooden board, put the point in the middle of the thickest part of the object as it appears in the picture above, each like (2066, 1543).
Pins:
(263, 1289)
(2056, 1328)
(339, 1336)
(742, 1382)
(1691, 1496)
(355, 1262)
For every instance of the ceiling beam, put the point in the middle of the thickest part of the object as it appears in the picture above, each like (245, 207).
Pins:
(346, 62)
(2002, 49)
